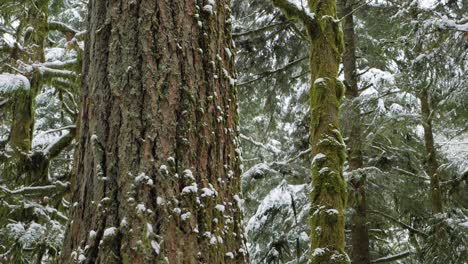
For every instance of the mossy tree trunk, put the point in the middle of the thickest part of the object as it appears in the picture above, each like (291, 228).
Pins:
(328, 196)
(431, 162)
(157, 165)
(23, 110)
(359, 229)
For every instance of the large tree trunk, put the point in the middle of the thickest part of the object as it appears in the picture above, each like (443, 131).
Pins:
(328, 195)
(359, 228)
(431, 162)
(157, 177)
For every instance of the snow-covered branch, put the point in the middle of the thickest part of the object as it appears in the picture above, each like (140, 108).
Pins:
(392, 257)
(446, 23)
(62, 27)
(405, 172)
(49, 73)
(292, 11)
(29, 191)
(406, 226)
(266, 147)
(61, 64)
(257, 30)
(299, 155)
(12, 83)
(54, 149)
(264, 74)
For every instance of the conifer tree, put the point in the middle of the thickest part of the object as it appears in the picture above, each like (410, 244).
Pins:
(328, 196)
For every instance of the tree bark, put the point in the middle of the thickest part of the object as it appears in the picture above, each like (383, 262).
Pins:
(157, 165)
(328, 195)
(359, 229)
(431, 163)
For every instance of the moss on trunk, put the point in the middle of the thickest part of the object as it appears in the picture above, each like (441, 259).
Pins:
(23, 110)
(328, 195)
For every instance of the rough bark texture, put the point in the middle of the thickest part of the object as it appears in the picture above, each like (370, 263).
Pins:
(431, 162)
(359, 228)
(157, 177)
(328, 195)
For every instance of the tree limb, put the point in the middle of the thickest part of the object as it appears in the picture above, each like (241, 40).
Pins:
(268, 147)
(392, 257)
(271, 72)
(294, 12)
(61, 27)
(406, 226)
(53, 150)
(254, 31)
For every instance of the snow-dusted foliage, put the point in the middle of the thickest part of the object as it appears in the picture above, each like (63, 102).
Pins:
(400, 46)
(39, 94)
(13, 83)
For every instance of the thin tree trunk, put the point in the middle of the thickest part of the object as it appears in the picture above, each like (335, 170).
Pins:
(328, 195)
(23, 111)
(432, 164)
(157, 166)
(359, 228)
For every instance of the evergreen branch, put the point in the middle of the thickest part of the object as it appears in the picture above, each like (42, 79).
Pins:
(367, 86)
(299, 33)
(53, 150)
(4, 102)
(258, 30)
(67, 30)
(61, 27)
(405, 172)
(56, 130)
(49, 73)
(392, 257)
(354, 10)
(29, 191)
(271, 72)
(363, 72)
(406, 226)
(61, 64)
(295, 13)
(455, 182)
(267, 147)
(299, 155)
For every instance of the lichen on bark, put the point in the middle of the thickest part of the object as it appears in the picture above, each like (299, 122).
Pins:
(157, 144)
